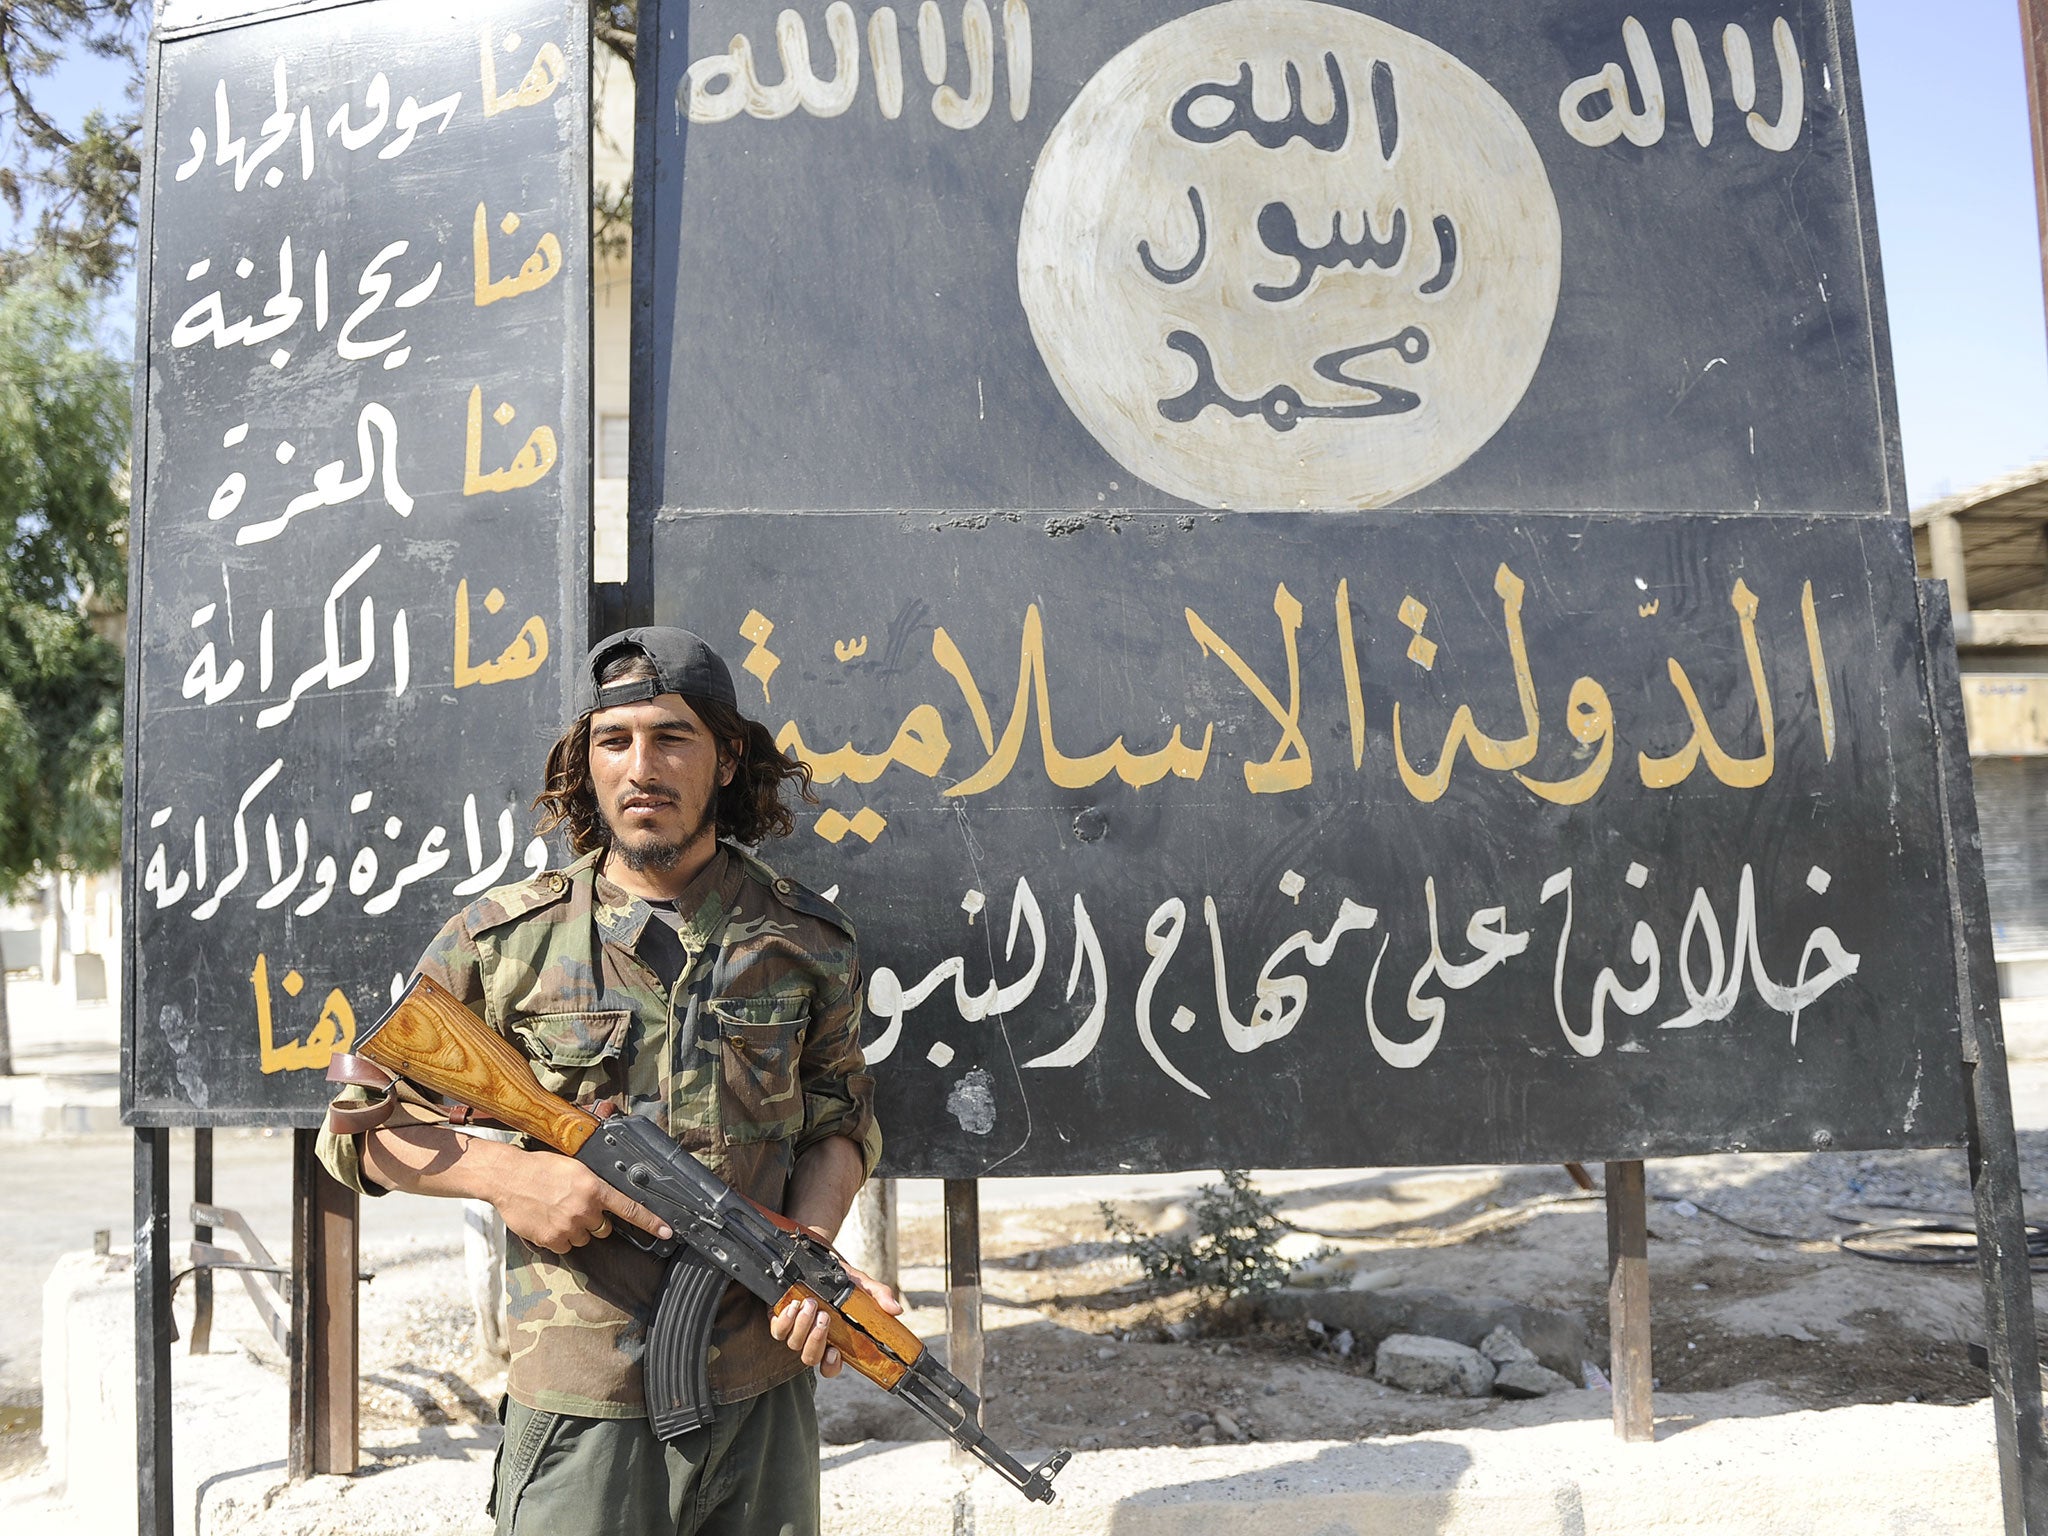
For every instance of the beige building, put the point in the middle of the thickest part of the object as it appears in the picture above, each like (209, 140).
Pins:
(1990, 545)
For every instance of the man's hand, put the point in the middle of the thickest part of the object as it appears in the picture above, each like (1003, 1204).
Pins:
(556, 1203)
(821, 1191)
(552, 1201)
(806, 1327)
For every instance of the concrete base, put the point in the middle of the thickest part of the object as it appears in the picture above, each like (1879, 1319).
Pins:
(230, 1411)
(89, 1386)
(1846, 1472)
(1852, 1471)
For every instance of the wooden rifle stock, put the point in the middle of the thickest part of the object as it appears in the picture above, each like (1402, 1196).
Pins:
(431, 1039)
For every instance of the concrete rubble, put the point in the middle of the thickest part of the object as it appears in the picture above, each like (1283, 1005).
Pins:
(1517, 1372)
(1527, 1378)
(1557, 1338)
(1416, 1363)
(1504, 1346)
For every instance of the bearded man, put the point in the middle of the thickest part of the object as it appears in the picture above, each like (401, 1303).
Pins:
(671, 973)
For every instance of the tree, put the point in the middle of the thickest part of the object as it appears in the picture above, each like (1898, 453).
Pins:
(79, 185)
(64, 514)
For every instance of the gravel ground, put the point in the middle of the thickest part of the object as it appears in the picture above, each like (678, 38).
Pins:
(1082, 1351)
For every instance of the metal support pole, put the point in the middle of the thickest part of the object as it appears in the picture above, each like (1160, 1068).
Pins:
(2002, 1262)
(202, 1282)
(963, 1289)
(1628, 1301)
(154, 1503)
(324, 1339)
(869, 1236)
(2034, 48)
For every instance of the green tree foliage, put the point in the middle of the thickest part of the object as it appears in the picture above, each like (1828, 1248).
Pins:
(63, 444)
(1233, 1252)
(77, 185)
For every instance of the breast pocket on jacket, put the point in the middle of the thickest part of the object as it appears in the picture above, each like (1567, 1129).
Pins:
(576, 1055)
(760, 1096)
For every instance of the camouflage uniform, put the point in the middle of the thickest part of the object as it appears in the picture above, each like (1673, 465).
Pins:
(733, 1022)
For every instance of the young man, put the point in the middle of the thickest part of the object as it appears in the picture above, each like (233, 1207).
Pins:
(672, 973)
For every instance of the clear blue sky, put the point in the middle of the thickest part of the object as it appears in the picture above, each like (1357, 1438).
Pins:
(1944, 91)
(1945, 95)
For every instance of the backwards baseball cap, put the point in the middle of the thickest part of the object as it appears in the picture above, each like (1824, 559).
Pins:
(682, 663)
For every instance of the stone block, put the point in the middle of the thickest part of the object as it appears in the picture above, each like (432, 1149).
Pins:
(1527, 1378)
(88, 1369)
(1503, 1345)
(1417, 1363)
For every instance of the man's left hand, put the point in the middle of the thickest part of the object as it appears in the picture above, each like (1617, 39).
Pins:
(806, 1327)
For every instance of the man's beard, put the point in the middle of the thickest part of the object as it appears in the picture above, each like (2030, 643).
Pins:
(659, 855)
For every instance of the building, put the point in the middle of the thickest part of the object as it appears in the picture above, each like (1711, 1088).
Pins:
(1990, 545)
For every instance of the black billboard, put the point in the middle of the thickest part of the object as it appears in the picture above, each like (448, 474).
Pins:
(361, 534)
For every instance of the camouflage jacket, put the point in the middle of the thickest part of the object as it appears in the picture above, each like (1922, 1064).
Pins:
(733, 1022)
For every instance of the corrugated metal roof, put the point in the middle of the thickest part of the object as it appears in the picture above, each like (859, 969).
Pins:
(2005, 551)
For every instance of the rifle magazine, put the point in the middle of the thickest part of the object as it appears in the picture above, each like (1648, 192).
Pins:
(678, 1359)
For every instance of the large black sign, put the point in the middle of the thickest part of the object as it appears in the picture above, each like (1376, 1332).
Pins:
(362, 491)
(1258, 254)
(1219, 773)
(1323, 840)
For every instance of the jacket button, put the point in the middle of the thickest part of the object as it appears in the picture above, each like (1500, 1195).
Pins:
(784, 887)
(557, 883)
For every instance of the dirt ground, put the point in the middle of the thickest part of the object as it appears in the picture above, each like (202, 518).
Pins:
(1079, 1353)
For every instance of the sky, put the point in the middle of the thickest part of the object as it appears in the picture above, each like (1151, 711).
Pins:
(1945, 101)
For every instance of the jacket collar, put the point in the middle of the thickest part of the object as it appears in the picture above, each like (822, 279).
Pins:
(704, 905)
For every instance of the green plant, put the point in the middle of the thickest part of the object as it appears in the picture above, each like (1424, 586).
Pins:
(1233, 1252)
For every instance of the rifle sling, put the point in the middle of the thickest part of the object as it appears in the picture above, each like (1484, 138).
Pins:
(396, 1093)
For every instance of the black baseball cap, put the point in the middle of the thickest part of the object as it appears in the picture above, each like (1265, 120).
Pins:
(683, 663)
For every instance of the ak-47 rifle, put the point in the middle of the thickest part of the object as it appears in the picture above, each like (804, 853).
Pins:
(435, 1042)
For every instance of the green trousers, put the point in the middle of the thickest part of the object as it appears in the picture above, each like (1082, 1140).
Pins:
(753, 1471)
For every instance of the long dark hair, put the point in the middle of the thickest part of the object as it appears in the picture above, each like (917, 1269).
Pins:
(748, 810)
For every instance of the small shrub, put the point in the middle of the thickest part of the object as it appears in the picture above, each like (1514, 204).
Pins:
(1233, 1251)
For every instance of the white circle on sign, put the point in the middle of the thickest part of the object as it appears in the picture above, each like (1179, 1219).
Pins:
(1278, 254)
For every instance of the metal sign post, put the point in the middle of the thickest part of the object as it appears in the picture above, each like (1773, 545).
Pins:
(963, 1288)
(1628, 1301)
(2003, 1261)
(155, 1514)
(324, 1336)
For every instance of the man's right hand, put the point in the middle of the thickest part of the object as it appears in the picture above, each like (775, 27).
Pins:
(556, 1203)
(551, 1201)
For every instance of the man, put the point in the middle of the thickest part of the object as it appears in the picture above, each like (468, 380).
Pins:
(672, 973)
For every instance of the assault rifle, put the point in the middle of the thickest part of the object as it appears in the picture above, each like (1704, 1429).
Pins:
(435, 1042)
